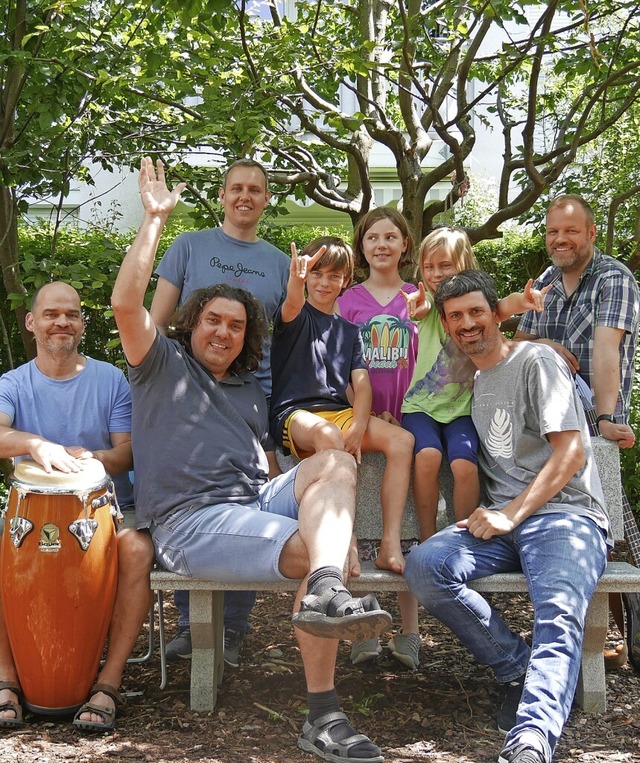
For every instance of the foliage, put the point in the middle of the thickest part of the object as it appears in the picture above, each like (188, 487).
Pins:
(89, 261)
(218, 79)
(283, 236)
(610, 170)
(513, 259)
(63, 100)
(413, 80)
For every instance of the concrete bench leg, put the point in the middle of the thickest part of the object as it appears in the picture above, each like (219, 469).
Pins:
(591, 691)
(207, 661)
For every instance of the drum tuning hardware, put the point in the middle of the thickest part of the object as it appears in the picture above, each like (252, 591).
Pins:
(103, 500)
(83, 531)
(117, 515)
(19, 529)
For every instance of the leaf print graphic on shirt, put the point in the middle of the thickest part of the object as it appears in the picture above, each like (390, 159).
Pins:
(452, 366)
(499, 440)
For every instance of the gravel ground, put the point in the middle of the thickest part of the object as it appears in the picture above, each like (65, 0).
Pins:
(443, 712)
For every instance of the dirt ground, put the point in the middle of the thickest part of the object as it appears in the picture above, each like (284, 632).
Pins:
(443, 712)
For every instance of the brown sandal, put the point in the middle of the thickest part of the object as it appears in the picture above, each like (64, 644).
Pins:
(106, 713)
(17, 722)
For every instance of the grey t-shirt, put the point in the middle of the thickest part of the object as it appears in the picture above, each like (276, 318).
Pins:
(515, 405)
(201, 258)
(196, 441)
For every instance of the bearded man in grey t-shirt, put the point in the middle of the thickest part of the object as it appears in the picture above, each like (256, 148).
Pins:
(544, 515)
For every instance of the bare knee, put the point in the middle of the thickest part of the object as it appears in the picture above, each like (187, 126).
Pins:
(463, 469)
(135, 553)
(294, 559)
(428, 460)
(405, 442)
(400, 444)
(327, 436)
(332, 466)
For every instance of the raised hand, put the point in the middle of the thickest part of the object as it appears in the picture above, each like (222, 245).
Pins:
(156, 197)
(302, 264)
(417, 305)
(534, 298)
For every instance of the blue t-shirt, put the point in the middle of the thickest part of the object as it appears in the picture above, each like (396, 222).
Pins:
(199, 259)
(84, 410)
(312, 358)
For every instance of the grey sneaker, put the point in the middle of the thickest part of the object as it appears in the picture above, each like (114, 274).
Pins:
(406, 649)
(521, 753)
(179, 648)
(365, 651)
(512, 692)
(232, 642)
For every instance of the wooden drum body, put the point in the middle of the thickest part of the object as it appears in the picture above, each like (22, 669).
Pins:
(58, 573)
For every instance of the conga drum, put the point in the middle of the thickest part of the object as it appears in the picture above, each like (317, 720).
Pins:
(58, 573)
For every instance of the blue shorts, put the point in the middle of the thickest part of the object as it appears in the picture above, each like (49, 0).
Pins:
(231, 541)
(458, 439)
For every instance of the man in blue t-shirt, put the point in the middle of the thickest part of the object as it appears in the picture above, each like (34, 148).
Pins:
(232, 254)
(60, 409)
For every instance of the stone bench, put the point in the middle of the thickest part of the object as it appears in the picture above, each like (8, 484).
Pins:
(207, 597)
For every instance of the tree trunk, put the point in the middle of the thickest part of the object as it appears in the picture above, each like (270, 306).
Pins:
(9, 261)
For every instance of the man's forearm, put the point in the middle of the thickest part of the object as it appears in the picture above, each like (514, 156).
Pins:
(565, 460)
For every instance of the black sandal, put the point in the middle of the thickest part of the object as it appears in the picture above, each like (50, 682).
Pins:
(17, 722)
(107, 714)
(316, 738)
(352, 619)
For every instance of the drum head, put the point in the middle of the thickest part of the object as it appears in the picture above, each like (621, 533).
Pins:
(29, 472)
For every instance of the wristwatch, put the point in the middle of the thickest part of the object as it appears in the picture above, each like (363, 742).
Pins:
(606, 417)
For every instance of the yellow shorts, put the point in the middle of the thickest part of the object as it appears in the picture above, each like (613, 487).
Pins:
(341, 418)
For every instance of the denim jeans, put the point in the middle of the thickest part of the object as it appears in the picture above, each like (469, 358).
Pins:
(237, 608)
(562, 557)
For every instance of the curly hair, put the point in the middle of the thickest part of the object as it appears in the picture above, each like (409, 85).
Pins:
(188, 317)
(372, 217)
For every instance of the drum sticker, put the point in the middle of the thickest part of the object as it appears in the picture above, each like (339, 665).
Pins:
(49, 538)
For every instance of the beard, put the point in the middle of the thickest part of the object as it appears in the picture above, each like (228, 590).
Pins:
(571, 260)
(60, 346)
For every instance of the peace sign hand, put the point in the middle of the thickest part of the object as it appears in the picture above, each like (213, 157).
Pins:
(302, 264)
(417, 305)
(534, 298)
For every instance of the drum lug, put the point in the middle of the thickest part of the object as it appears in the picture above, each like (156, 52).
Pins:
(19, 529)
(97, 503)
(83, 531)
(115, 506)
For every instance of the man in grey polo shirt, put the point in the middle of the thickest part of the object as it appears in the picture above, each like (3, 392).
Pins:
(200, 426)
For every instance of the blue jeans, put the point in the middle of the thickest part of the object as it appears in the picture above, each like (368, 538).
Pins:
(237, 608)
(562, 557)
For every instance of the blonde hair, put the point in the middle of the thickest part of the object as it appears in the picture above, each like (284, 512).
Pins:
(455, 243)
